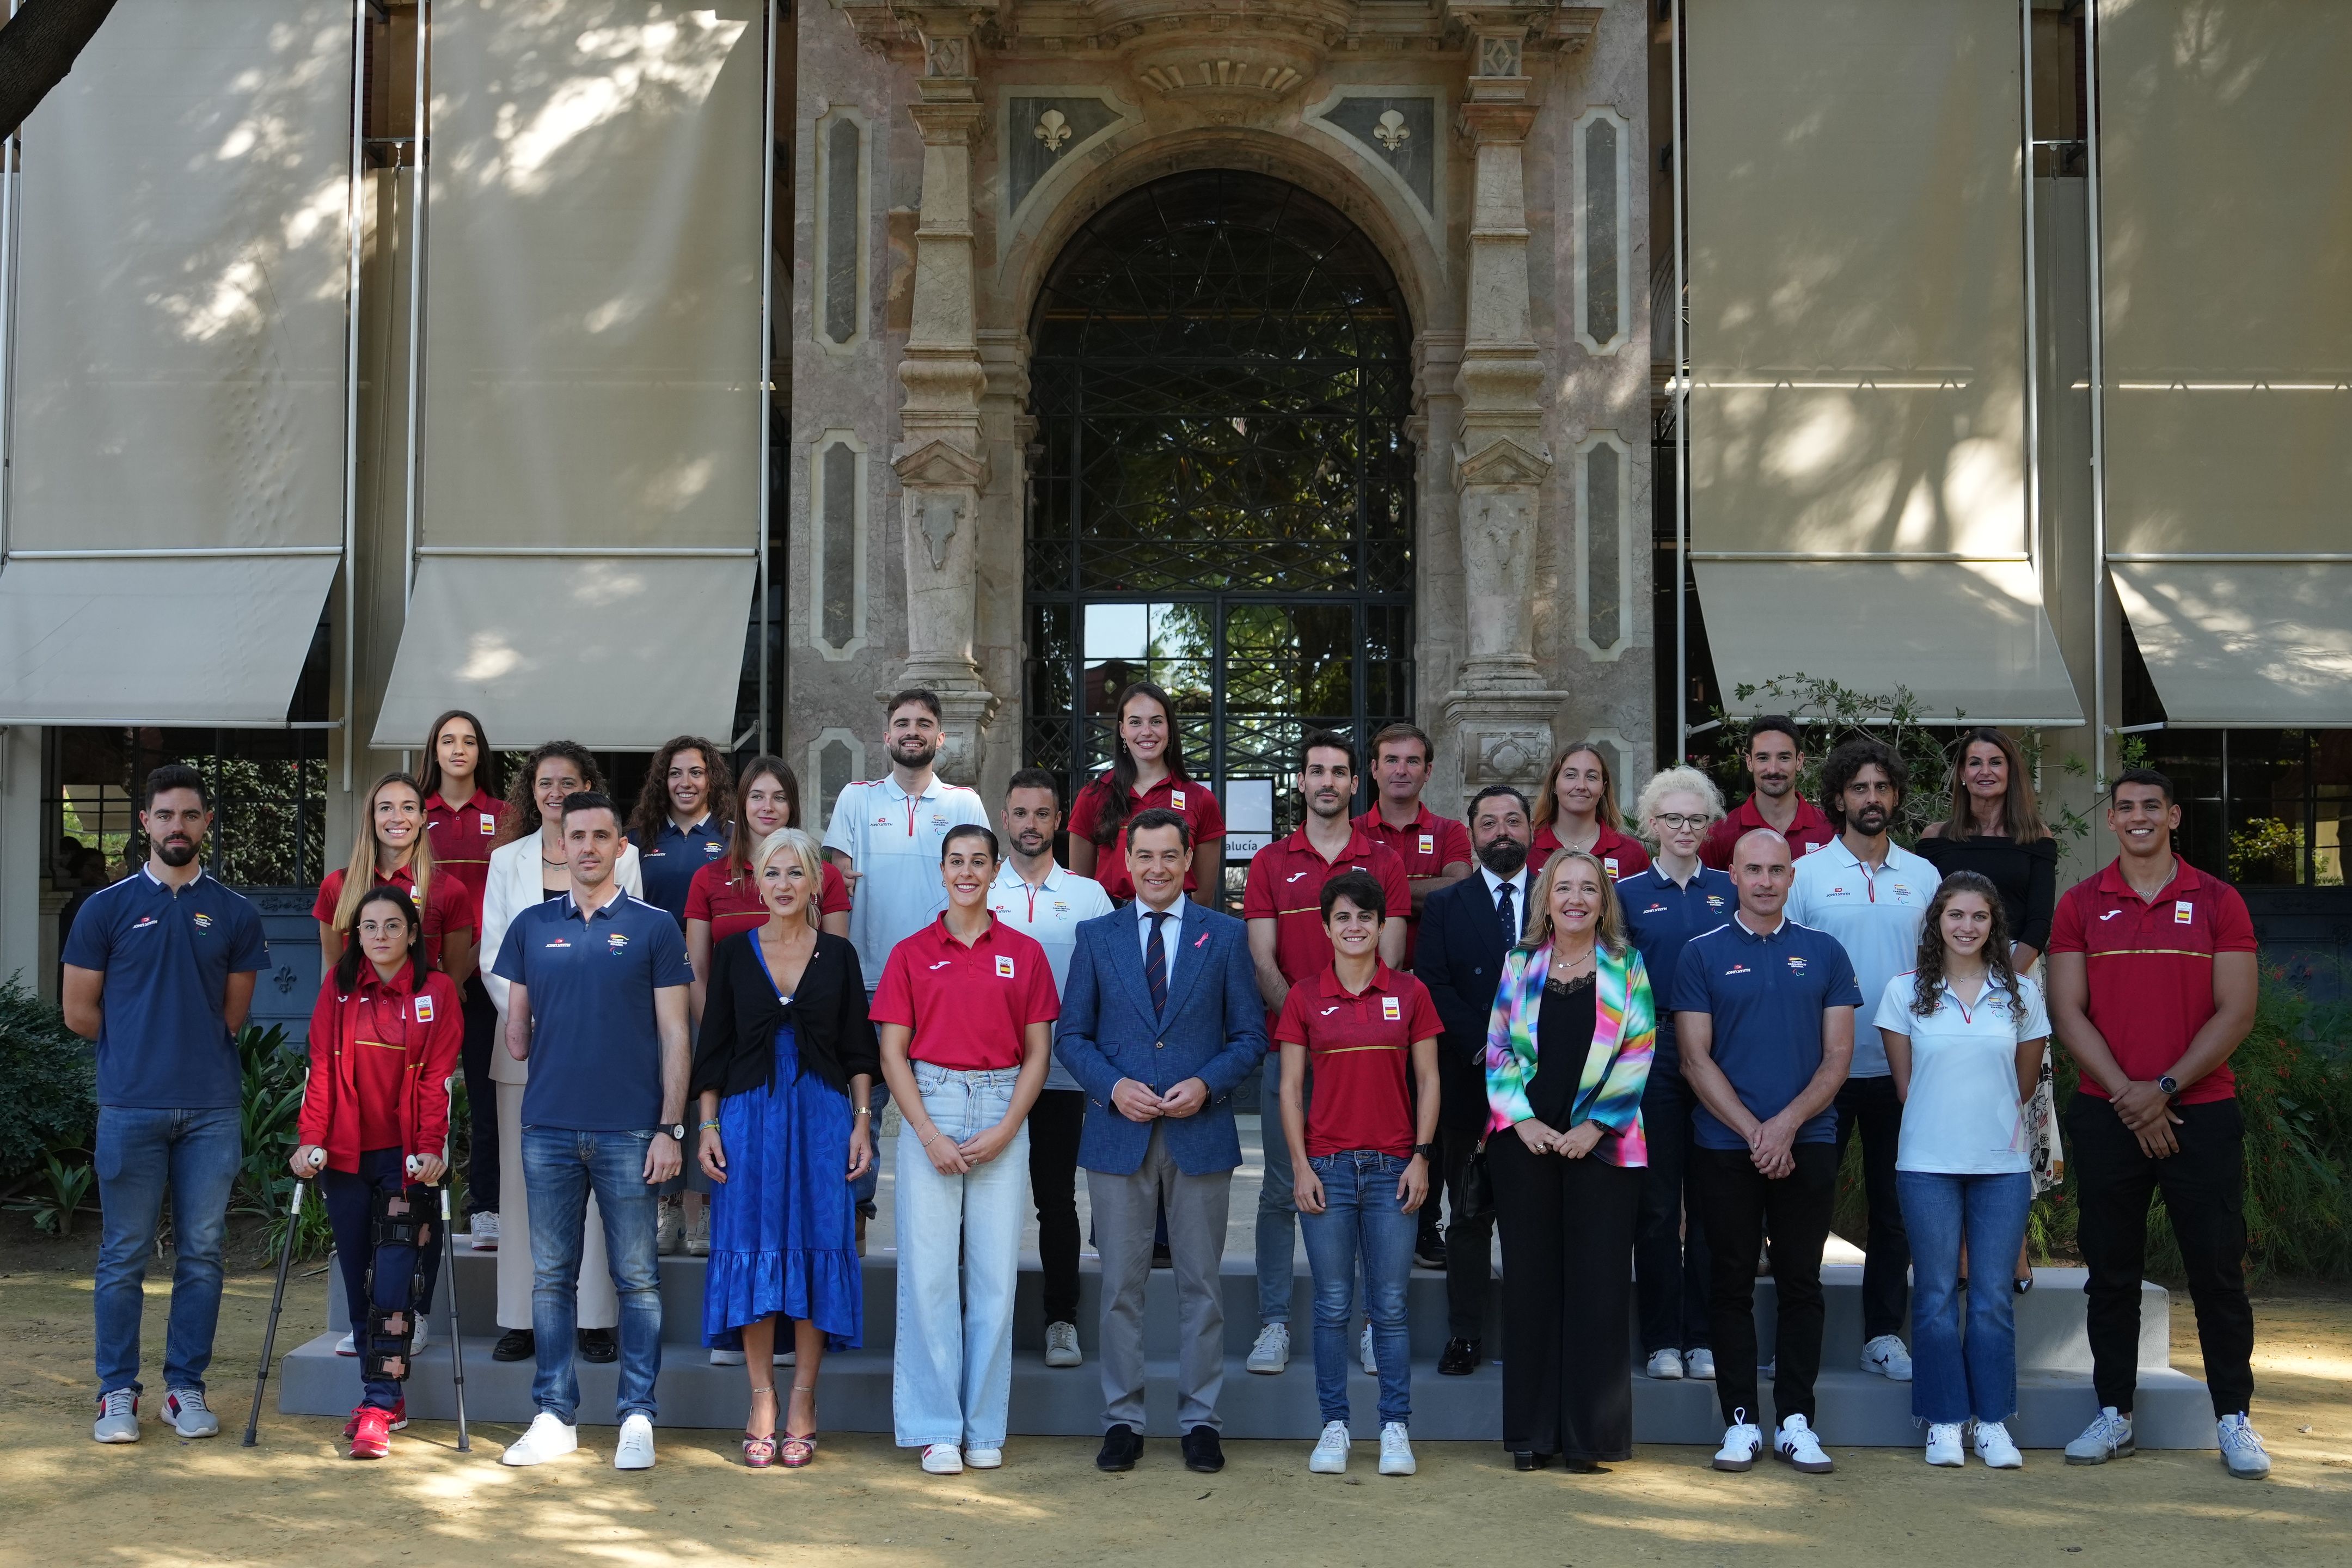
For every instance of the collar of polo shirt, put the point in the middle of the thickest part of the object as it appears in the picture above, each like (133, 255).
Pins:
(1383, 980)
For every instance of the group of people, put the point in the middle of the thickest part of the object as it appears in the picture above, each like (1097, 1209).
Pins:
(1636, 1051)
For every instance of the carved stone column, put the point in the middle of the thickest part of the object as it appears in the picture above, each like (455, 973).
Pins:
(941, 462)
(1502, 709)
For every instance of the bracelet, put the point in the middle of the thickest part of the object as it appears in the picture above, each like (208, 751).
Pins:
(710, 1127)
(864, 1110)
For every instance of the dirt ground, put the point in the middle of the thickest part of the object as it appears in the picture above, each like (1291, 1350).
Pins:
(295, 1499)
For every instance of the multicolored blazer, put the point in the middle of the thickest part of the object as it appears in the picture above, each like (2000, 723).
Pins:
(1616, 1066)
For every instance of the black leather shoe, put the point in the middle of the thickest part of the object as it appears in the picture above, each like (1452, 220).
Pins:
(599, 1346)
(1203, 1451)
(1121, 1449)
(1523, 1460)
(515, 1344)
(1460, 1360)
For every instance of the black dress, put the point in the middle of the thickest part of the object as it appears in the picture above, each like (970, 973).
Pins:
(2025, 875)
(1568, 1254)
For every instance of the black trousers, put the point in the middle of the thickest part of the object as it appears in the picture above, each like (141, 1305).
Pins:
(481, 1101)
(1568, 1290)
(1469, 1239)
(1735, 1200)
(1055, 1123)
(1871, 1105)
(2204, 1188)
(1670, 1264)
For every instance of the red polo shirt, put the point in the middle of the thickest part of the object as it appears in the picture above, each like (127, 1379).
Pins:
(969, 1007)
(1621, 853)
(447, 906)
(1191, 801)
(1286, 886)
(731, 902)
(1359, 1050)
(2150, 967)
(462, 837)
(1426, 845)
(1807, 832)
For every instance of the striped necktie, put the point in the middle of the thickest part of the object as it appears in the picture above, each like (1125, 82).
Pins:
(1155, 962)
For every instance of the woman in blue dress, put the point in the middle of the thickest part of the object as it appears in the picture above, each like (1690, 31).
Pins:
(785, 1068)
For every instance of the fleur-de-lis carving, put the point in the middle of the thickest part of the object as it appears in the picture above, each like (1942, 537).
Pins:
(1390, 132)
(1053, 129)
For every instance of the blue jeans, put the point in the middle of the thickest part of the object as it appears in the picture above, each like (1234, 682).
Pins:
(1953, 1379)
(560, 1168)
(951, 1370)
(1361, 1215)
(141, 1155)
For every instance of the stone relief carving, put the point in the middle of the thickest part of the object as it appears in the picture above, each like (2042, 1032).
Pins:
(941, 513)
(1053, 129)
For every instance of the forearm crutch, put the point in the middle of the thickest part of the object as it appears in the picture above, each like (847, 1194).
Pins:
(277, 1305)
(449, 1272)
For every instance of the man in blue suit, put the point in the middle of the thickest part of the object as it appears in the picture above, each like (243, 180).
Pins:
(1465, 928)
(1161, 1023)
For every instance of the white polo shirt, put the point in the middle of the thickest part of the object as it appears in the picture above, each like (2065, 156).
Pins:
(1049, 914)
(895, 839)
(1875, 916)
(1962, 1116)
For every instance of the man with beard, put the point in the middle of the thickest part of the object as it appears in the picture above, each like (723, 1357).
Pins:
(1775, 759)
(887, 835)
(1046, 901)
(159, 971)
(1872, 894)
(1466, 928)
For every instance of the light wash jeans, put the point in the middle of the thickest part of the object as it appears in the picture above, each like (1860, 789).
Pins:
(560, 1168)
(142, 1154)
(951, 1374)
(1362, 1218)
(1953, 1379)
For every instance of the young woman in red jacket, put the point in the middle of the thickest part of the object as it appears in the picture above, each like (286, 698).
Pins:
(375, 1127)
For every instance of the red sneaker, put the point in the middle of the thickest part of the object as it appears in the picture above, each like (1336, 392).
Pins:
(370, 1433)
(399, 1419)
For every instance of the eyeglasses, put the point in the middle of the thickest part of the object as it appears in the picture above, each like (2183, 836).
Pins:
(1680, 822)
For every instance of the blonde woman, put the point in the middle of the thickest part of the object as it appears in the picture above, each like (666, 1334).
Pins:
(1578, 810)
(393, 850)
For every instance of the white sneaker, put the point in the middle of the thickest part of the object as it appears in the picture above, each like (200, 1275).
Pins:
(1364, 1351)
(727, 1358)
(2108, 1437)
(1666, 1366)
(1396, 1450)
(1796, 1443)
(348, 1345)
(1331, 1455)
(485, 1231)
(633, 1450)
(984, 1459)
(118, 1416)
(1996, 1448)
(1886, 1356)
(185, 1409)
(1270, 1353)
(942, 1459)
(1699, 1366)
(1944, 1445)
(1062, 1345)
(548, 1438)
(697, 1235)
(421, 1338)
(669, 1229)
(1742, 1441)
(2242, 1450)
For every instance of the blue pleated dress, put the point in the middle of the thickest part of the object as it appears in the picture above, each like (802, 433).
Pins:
(784, 1227)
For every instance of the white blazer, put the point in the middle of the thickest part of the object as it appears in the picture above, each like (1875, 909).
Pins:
(513, 887)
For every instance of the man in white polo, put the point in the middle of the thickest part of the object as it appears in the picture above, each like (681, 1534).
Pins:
(1046, 900)
(1872, 894)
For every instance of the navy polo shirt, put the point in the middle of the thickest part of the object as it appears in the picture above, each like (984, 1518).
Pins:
(164, 1044)
(595, 1050)
(1662, 917)
(669, 862)
(1767, 994)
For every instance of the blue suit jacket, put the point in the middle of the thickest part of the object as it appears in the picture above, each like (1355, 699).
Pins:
(1213, 1029)
(1458, 954)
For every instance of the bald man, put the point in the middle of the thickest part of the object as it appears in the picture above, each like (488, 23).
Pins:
(1764, 1013)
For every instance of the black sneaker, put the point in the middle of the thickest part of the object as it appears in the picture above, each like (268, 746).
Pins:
(1120, 1445)
(515, 1344)
(1460, 1359)
(599, 1346)
(1202, 1450)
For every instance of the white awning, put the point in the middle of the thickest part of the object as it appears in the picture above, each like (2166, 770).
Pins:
(1968, 639)
(616, 652)
(2241, 643)
(184, 641)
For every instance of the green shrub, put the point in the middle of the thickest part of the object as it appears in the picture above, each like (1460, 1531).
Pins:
(49, 1082)
(274, 1075)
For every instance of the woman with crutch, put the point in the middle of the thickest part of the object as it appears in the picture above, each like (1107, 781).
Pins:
(385, 1037)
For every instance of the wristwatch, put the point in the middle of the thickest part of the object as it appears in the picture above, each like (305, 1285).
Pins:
(677, 1129)
(2169, 1084)
(1427, 1151)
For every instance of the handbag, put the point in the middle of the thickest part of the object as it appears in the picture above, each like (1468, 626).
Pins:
(1477, 1186)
